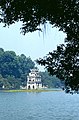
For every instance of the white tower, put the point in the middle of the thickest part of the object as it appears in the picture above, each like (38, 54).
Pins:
(34, 80)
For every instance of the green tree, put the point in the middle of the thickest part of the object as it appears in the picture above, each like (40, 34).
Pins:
(50, 81)
(24, 64)
(8, 65)
(64, 63)
(14, 69)
(60, 13)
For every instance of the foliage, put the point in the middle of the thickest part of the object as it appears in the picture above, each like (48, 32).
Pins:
(60, 13)
(64, 63)
(50, 81)
(14, 69)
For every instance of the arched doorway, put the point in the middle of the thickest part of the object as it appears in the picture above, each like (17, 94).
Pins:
(28, 87)
(33, 87)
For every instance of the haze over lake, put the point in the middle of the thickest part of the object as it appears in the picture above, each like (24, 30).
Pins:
(39, 106)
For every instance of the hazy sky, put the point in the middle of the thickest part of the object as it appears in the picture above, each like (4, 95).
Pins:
(35, 45)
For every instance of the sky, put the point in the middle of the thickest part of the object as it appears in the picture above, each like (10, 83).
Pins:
(36, 44)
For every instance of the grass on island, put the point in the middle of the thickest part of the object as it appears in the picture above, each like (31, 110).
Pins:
(34, 90)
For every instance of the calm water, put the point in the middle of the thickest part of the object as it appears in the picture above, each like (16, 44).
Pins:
(39, 106)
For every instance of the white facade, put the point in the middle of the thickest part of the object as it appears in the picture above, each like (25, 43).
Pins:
(34, 80)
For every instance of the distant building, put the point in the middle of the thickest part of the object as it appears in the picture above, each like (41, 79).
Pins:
(34, 80)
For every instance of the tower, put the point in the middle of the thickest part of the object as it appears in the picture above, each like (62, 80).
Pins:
(34, 80)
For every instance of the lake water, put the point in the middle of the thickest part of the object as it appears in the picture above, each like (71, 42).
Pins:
(39, 106)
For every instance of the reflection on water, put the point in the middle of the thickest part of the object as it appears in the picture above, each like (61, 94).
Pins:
(39, 106)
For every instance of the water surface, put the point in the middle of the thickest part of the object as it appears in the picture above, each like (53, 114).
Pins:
(39, 106)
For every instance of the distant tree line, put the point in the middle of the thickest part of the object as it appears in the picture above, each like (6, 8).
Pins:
(51, 81)
(15, 68)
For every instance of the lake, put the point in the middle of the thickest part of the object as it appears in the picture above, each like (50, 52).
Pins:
(39, 106)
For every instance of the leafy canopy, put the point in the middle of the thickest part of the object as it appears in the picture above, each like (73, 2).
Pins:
(61, 13)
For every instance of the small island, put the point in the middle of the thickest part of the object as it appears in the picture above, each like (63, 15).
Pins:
(18, 72)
